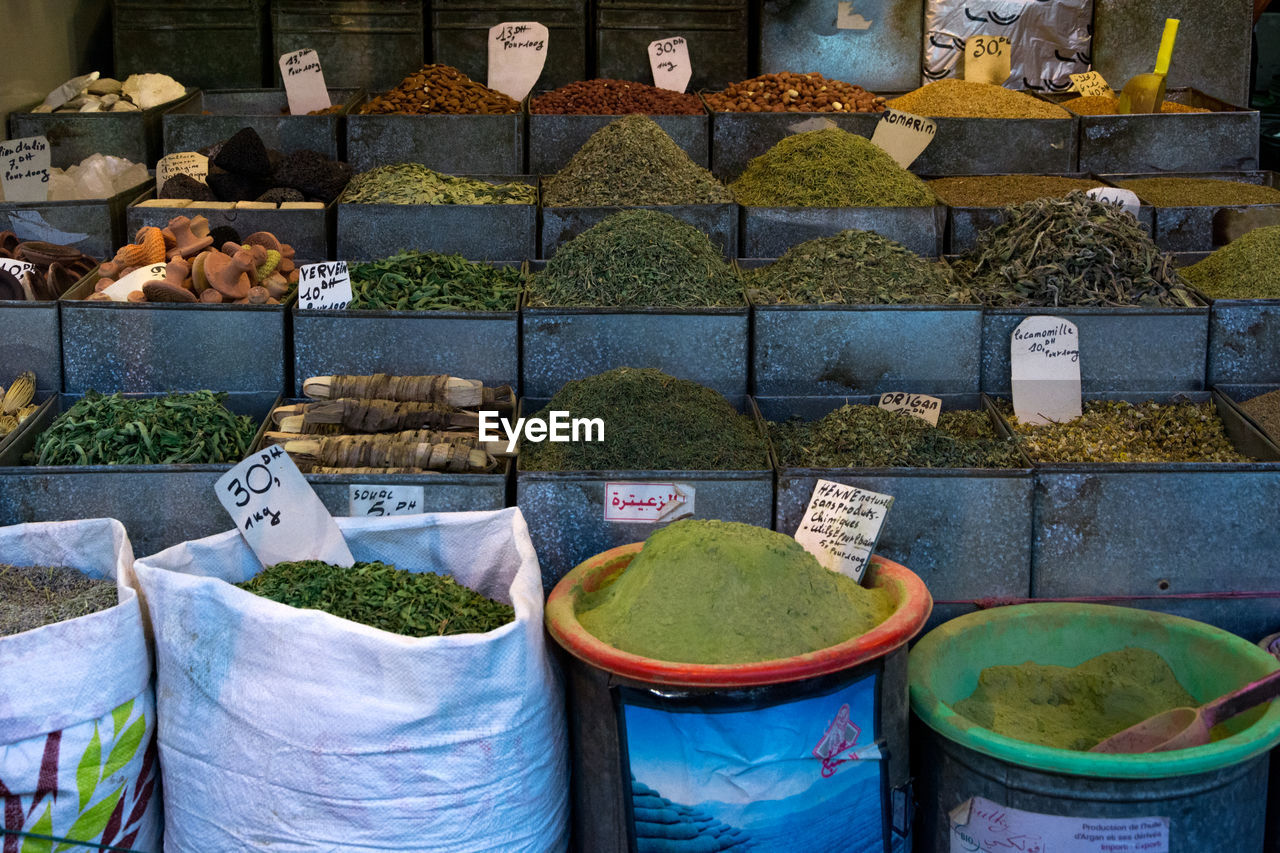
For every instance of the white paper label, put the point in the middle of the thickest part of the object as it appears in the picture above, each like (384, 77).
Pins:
(921, 405)
(988, 59)
(191, 163)
(981, 825)
(848, 19)
(669, 61)
(324, 286)
(16, 268)
(1127, 199)
(842, 525)
(904, 136)
(647, 502)
(304, 82)
(384, 500)
(24, 168)
(1090, 83)
(278, 513)
(517, 52)
(1044, 359)
(120, 290)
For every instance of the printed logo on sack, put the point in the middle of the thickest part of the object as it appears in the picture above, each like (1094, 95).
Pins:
(558, 427)
(841, 736)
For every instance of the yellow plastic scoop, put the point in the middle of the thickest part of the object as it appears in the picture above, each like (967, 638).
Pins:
(1145, 92)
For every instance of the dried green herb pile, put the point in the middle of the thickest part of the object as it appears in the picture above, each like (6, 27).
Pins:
(871, 437)
(428, 281)
(168, 430)
(415, 604)
(829, 168)
(632, 161)
(413, 183)
(854, 268)
(1070, 251)
(1116, 431)
(1199, 192)
(1265, 409)
(635, 259)
(31, 596)
(1246, 268)
(1000, 190)
(652, 421)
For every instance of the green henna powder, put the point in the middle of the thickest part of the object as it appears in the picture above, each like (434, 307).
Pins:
(718, 592)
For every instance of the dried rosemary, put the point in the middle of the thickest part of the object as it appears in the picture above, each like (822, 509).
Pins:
(427, 281)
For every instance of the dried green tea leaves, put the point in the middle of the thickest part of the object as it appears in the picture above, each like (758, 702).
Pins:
(653, 422)
(638, 259)
(871, 437)
(1246, 268)
(413, 183)
(632, 161)
(173, 429)
(1072, 251)
(428, 281)
(32, 596)
(415, 604)
(854, 268)
(829, 168)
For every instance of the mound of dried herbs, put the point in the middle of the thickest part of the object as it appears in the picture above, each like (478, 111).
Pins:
(31, 596)
(829, 168)
(1246, 268)
(854, 268)
(415, 604)
(632, 161)
(1001, 190)
(1200, 192)
(871, 437)
(429, 281)
(172, 429)
(1070, 251)
(1116, 431)
(637, 258)
(413, 183)
(652, 421)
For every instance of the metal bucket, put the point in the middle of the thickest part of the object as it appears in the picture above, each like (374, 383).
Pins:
(460, 35)
(211, 117)
(767, 232)
(196, 43)
(74, 136)
(827, 732)
(554, 139)
(371, 44)
(716, 31)
(1210, 797)
(717, 221)
(95, 226)
(455, 144)
(1203, 228)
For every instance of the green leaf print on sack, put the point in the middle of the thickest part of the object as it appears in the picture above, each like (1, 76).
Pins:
(90, 824)
(126, 747)
(44, 826)
(87, 769)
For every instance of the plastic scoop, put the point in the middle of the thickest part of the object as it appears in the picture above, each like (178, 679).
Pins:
(1144, 93)
(1183, 728)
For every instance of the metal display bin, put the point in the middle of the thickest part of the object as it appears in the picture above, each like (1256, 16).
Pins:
(716, 31)
(31, 339)
(767, 232)
(308, 230)
(1203, 228)
(460, 35)
(554, 138)
(559, 225)
(737, 138)
(74, 136)
(197, 43)
(95, 226)
(213, 116)
(1000, 146)
(370, 44)
(455, 144)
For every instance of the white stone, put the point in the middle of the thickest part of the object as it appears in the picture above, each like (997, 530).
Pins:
(151, 90)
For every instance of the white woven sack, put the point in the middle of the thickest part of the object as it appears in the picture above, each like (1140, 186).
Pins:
(288, 730)
(77, 711)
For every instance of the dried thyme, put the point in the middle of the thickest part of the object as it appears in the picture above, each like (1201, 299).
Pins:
(32, 596)
(415, 604)
(1070, 251)
(637, 258)
(171, 429)
(428, 281)
(413, 183)
(1246, 268)
(1001, 190)
(652, 421)
(632, 161)
(871, 437)
(1200, 192)
(854, 268)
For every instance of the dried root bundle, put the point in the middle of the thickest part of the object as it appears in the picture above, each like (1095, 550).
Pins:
(449, 390)
(428, 436)
(386, 454)
(370, 416)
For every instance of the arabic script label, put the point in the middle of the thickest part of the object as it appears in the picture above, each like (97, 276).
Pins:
(647, 502)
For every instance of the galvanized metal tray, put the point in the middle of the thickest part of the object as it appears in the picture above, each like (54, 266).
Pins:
(213, 116)
(95, 226)
(148, 347)
(74, 136)
(1239, 394)
(199, 44)
(1244, 337)
(362, 43)
(1203, 228)
(565, 509)
(31, 339)
(460, 35)
(737, 138)
(1135, 350)
(767, 232)
(965, 531)
(480, 232)
(456, 144)
(554, 139)
(160, 505)
(308, 230)
(1000, 146)
(718, 221)
(716, 31)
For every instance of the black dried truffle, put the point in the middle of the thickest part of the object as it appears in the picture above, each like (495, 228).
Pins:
(224, 234)
(279, 195)
(313, 174)
(229, 187)
(185, 186)
(244, 154)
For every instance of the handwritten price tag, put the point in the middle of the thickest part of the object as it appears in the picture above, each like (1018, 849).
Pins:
(119, 292)
(988, 59)
(1044, 355)
(324, 286)
(904, 136)
(277, 512)
(920, 405)
(517, 52)
(647, 502)
(24, 169)
(191, 163)
(17, 269)
(1127, 199)
(669, 61)
(1090, 83)
(304, 82)
(384, 500)
(842, 525)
